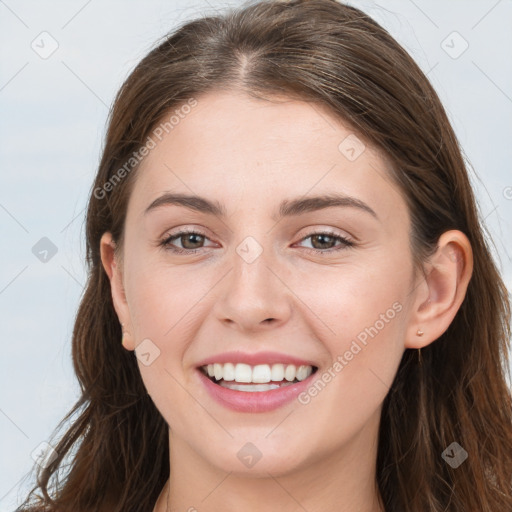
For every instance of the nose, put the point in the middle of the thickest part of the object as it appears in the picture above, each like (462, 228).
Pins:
(253, 296)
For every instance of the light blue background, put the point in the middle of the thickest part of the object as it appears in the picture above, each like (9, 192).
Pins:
(53, 114)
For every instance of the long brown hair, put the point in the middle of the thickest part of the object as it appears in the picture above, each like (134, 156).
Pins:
(334, 55)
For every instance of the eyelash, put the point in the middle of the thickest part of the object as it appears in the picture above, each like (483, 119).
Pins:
(346, 243)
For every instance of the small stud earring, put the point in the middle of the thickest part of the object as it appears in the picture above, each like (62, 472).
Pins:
(419, 332)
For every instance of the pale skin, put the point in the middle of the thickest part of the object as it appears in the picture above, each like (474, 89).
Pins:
(249, 155)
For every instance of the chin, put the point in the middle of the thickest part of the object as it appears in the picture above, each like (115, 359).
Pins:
(257, 459)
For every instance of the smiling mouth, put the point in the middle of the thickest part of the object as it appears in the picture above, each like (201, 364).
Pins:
(258, 378)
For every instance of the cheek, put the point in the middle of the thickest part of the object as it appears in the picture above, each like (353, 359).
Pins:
(365, 351)
(163, 305)
(167, 307)
(351, 298)
(363, 307)
(163, 298)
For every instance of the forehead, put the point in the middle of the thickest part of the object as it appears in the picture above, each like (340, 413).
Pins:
(239, 148)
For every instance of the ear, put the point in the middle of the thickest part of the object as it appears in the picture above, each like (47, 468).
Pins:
(440, 292)
(114, 272)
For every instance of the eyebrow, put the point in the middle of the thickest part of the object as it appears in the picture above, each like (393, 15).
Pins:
(287, 207)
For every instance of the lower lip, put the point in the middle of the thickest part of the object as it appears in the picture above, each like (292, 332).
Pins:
(257, 401)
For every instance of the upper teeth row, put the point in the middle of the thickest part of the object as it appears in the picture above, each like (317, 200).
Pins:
(259, 374)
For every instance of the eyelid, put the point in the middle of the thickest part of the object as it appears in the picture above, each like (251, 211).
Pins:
(346, 242)
(316, 229)
(164, 241)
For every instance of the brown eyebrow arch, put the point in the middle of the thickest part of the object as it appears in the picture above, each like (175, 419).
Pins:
(287, 208)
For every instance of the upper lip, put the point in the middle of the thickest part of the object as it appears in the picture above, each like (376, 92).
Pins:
(255, 358)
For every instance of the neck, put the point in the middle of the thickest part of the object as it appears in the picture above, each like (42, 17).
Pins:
(343, 481)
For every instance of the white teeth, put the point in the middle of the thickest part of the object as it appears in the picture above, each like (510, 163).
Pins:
(217, 371)
(243, 373)
(289, 373)
(261, 373)
(277, 372)
(228, 373)
(258, 374)
(302, 373)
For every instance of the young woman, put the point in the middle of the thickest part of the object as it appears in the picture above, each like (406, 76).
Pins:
(291, 304)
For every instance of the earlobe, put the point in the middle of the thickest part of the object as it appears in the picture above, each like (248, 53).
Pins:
(441, 290)
(126, 339)
(108, 259)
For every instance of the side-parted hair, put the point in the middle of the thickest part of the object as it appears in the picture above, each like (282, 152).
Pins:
(334, 55)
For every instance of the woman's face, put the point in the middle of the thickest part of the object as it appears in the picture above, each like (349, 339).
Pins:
(264, 282)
